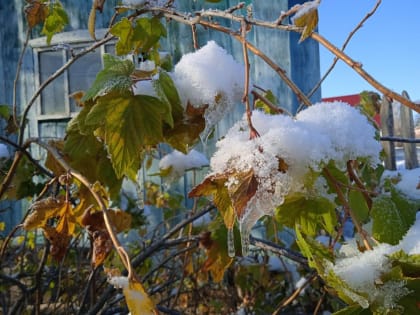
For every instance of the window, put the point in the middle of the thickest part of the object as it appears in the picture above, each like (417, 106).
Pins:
(54, 106)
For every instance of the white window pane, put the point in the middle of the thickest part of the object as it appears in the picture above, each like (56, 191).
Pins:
(82, 73)
(52, 97)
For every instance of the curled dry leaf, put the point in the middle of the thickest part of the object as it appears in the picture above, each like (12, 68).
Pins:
(102, 246)
(95, 225)
(41, 211)
(59, 242)
(36, 12)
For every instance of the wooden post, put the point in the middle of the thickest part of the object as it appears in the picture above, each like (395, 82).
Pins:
(387, 130)
(407, 131)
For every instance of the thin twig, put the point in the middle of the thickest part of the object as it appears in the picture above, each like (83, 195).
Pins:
(119, 248)
(280, 250)
(50, 79)
(396, 139)
(16, 81)
(267, 102)
(356, 66)
(353, 176)
(346, 42)
(294, 295)
(347, 207)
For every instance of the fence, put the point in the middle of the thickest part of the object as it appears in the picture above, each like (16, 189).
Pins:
(406, 137)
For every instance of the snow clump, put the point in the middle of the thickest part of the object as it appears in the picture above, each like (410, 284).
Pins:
(209, 77)
(323, 132)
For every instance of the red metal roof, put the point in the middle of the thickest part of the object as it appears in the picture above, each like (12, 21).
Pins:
(353, 99)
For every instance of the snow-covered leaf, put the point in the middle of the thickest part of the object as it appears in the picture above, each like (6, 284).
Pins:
(307, 17)
(214, 185)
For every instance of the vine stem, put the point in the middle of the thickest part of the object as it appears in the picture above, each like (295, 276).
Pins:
(119, 248)
(343, 47)
(185, 19)
(356, 66)
(51, 79)
(16, 81)
(352, 173)
(347, 208)
(253, 133)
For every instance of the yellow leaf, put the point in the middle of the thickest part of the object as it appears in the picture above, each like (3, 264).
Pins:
(67, 222)
(138, 302)
(215, 185)
(308, 20)
(217, 262)
(91, 22)
(42, 210)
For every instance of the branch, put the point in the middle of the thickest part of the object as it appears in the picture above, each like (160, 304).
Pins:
(396, 139)
(52, 78)
(15, 82)
(186, 19)
(347, 207)
(346, 42)
(119, 248)
(358, 68)
(280, 250)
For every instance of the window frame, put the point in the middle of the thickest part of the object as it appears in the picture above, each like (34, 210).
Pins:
(76, 40)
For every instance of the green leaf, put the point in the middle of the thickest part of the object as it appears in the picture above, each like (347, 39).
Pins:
(166, 90)
(140, 38)
(410, 264)
(355, 309)
(370, 103)
(23, 184)
(148, 32)
(311, 213)
(114, 77)
(56, 20)
(5, 111)
(407, 208)
(124, 31)
(127, 123)
(269, 95)
(388, 225)
(315, 252)
(339, 176)
(87, 155)
(358, 205)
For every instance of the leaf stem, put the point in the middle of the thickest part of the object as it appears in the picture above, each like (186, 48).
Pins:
(347, 207)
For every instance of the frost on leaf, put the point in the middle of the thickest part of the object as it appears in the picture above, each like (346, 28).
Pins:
(209, 79)
(138, 302)
(307, 17)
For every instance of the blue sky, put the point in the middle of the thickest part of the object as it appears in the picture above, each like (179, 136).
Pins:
(388, 45)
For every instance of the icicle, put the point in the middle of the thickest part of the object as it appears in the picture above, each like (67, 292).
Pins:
(245, 231)
(231, 242)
